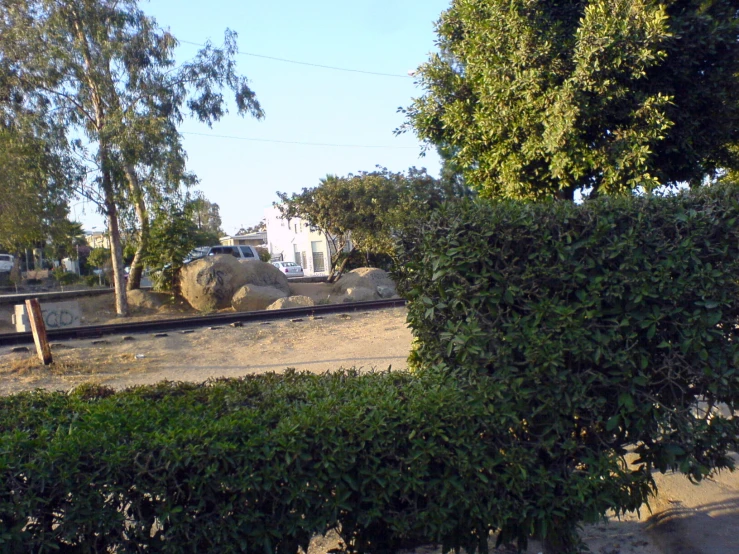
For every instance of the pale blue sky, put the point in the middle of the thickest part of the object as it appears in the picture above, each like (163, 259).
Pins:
(304, 104)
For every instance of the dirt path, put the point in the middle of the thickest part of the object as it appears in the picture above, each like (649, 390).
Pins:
(362, 340)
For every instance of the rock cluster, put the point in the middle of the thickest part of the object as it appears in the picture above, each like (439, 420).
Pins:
(218, 282)
(363, 284)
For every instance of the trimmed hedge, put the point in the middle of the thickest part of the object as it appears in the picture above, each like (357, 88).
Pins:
(610, 326)
(263, 463)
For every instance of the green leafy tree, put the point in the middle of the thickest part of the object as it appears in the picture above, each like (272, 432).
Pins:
(174, 234)
(108, 72)
(535, 99)
(99, 258)
(36, 179)
(206, 214)
(361, 211)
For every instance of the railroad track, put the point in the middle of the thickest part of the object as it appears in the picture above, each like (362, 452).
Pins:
(95, 331)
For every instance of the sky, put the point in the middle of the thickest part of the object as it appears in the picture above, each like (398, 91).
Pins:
(354, 111)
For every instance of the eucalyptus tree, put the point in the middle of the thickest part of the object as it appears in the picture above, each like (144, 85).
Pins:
(540, 98)
(36, 181)
(109, 73)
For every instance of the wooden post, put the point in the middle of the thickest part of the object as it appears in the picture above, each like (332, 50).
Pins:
(38, 328)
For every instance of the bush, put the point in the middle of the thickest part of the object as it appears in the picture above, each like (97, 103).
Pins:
(66, 278)
(263, 463)
(609, 325)
(263, 254)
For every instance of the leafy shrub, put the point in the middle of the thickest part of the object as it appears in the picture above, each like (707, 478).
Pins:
(66, 278)
(91, 280)
(263, 463)
(263, 254)
(609, 325)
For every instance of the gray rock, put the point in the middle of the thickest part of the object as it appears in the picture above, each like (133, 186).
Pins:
(360, 294)
(385, 292)
(263, 274)
(210, 283)
(291, 302)
(253, 297)
(146, 300)
(367, 278)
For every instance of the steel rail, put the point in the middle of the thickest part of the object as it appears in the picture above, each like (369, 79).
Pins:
(95, 331)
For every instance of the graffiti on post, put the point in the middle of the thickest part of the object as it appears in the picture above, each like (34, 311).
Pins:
(57, 315)
(57, 318)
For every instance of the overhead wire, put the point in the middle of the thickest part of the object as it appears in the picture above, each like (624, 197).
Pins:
(299, 142)
(310, 64)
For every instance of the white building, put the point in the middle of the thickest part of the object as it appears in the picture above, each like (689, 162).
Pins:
(294, 240)
(242, 237)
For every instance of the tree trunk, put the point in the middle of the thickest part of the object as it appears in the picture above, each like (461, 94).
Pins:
(337, 271)
(116, 249)
(137, 266)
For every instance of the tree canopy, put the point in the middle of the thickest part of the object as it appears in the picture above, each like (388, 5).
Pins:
(108, 73)
(541, 98)
(361, 211)
(35, 186)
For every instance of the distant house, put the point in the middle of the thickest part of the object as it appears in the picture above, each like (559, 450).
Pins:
(98, 240)
(250, 239)
(294, 240)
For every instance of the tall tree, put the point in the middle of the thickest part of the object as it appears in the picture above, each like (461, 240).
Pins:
(36, 181)
(109, 72)
(361, 211)
(205, 214)
(542, 98)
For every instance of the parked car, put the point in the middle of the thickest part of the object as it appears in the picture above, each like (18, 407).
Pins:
(196, 254)
(6, 262)
(241, 252)
(291, 269)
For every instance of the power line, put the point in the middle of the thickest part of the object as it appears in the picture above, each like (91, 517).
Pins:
(298, 142)
(296, 62)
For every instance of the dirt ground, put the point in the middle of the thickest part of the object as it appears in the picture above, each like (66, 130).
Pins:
(367, 340)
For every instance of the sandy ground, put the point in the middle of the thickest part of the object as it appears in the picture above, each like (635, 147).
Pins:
(364, 340)
(367, 340)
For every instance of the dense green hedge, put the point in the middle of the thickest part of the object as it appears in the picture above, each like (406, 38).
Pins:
(263, 463)
(606, 324)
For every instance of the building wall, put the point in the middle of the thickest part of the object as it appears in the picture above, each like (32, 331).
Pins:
(98, 240)
(243, 239)
(295, 241)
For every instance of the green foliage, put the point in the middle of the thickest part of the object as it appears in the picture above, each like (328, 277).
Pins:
(64, 277)
(607, 325)
(99, 258)
(362, 211)
(35, 185)
(261, 464)
(264, 254)
(108, 73)
(206, 215)
(536, 99)
(174, 234)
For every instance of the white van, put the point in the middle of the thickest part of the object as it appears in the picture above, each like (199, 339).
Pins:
(241, 252)
(6, 262)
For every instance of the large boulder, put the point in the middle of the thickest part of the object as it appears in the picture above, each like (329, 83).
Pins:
(146, 300)
(292, 302)
(353, 286)
(253, 297)
(263, 274)
(210, 283)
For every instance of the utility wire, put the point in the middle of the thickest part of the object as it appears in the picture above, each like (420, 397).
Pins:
(334, 68)
(298, 142)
